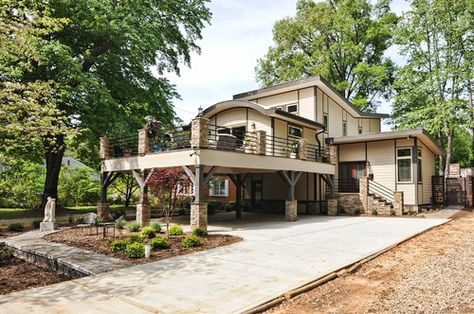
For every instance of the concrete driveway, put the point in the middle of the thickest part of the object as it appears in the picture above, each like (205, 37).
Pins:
(275, 256)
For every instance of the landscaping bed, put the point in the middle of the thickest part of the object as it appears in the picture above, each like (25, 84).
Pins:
(86, 238)
(17, 274)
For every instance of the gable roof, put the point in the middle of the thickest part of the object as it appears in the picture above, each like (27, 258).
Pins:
(272, 112)
(305, 83)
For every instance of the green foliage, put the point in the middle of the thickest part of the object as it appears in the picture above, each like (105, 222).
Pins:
(21, 184)
(135, 239)
(6, 252)
(191, 241)
(393, 212)
(156, 226)
(159, 243)
(134, 227)
(148, 233)
(214, 206)
(175, 230)
(135, 250)
(119, 245)
(411, 212)
(343, 41)
(78, 186)
(230, 206)
(375, 212)
(16, 227)
(199, 232)
(120, 223)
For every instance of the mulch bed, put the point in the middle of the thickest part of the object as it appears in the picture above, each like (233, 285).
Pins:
(17, 274)
(86, 238)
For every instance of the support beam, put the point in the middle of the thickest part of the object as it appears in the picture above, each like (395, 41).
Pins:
(143, 207)
(106, 179)
(238, 180)
(291, 204)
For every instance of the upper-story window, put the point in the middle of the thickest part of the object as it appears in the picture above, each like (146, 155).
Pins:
(344, 128)
(292, 108)
(420, 172)
(295, 131)
(360, 129)
(326, 122)
(404, 164)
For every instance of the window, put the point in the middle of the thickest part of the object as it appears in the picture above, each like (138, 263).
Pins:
(326, 122)
(344, 128)
(360, 129)
(404, 164)
(420, 178)
(295, 131)
(292, 108)
(219, 187)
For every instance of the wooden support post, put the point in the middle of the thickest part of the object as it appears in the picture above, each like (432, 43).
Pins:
(106, 179)
(238, 180)
(143, 207)
(291, 204)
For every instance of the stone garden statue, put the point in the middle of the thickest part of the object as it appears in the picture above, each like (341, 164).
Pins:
(49, 221)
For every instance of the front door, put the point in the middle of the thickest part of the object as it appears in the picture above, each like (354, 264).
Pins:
(257, 194)
(349, 174)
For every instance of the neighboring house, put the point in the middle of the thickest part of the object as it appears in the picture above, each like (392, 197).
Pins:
(298, 147)
(73, 163)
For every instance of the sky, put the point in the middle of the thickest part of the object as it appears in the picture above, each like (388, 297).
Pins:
(240, 33)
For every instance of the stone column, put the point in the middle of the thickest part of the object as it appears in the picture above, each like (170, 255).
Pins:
(261, 147)
(333, 154)
(364, 193)
(303, 150)
(199, 215)
(143, 208)
(143, 142)
(332, 207)
(105, 152)
(398, 202)
(291, 210)
(200, 133)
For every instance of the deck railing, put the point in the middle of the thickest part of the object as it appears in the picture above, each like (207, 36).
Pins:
(170, 140)
(123, 146)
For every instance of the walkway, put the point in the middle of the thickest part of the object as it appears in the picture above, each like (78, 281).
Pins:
(274, 258)
(445, 213)
(69, 260)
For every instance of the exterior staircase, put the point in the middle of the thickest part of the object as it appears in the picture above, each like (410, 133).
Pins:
(379, 204)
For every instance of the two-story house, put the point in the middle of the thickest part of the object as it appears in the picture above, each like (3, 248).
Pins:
(298, 147)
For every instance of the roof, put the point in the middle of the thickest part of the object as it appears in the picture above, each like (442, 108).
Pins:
(305, 83)
(272, 112)
(421, 134)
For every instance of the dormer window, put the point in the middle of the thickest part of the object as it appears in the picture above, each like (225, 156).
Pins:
(292, 108)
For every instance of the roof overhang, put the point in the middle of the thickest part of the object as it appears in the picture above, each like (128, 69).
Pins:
(272, 112)
(305, 83)
(421, 134)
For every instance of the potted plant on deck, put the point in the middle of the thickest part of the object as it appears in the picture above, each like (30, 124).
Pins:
(293, 149)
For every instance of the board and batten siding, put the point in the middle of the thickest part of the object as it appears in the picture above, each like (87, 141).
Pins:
(428, 160)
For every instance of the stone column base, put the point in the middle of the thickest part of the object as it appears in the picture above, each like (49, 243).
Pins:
(291, 210)
(102, 209)
(199, 215)
(143, 213)
(332, 207)
(48, 226)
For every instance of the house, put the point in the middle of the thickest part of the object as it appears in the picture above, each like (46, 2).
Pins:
(298, 147)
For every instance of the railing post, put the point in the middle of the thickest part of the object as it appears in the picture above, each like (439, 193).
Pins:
(398, 203)
(333, 154)
(364, 193)
(143, 142)
(200, 133)
(303, 149)
(261, 148)
(105, 152)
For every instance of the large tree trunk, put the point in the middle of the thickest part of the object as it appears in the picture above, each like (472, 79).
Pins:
(54, 155)
(450, 134)
(471, 106)
(440, 158)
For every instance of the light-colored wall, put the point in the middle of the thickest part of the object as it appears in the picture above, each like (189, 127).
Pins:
(278, 100)
(428, 160)
(306, 106)
(381, 157)
(352, 152)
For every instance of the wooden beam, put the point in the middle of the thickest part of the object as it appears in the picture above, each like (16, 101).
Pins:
(138, 176)
(190, 174)
(209, 175)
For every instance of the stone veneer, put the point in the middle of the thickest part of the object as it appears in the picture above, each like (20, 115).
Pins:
(105, 152)
(143, 142)
(143, 213)
(261, 140)
(398, 202)
(350, 202)
(303, 149)
(332, 207)
(199, 215)
(291, 210)
(200, 133)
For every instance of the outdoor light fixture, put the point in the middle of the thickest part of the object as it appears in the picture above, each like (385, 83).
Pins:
(200, 111)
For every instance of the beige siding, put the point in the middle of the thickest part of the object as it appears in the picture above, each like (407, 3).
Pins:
(352, 125)
(279, 100)
(380, 155)
(408, 193)
(352, 152)
(319, 106)
(280, 128)
(428, 160)
(335, 119)
(365, 126)
(306, 103)
(310, 136)
(262, 123)
(232, 117)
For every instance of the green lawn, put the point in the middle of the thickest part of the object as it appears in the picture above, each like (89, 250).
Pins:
(16, 213)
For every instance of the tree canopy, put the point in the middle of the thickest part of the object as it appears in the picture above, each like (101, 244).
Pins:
(342, 40)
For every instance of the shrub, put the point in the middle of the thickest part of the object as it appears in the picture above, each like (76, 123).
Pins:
(156, 226)
(36, 224)
(120, 223)
(148, 233)
(175, 230)
(136, 250)
(5, 252)
(214, 205)
(16, 227)
(135, 239)
(411, 212)
(159, 243)
(356, 211)
(230, 206)
(134, 227)
(200, 232)
(191, 241)
(375, 212)
(393, 212)
(118, 245)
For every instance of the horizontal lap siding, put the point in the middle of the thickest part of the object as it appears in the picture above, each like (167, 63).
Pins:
(381, 158)
(306, 103)
(279, 100)
(428, 170)
(352, 152)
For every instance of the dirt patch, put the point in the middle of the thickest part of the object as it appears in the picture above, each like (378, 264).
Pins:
(88, 239)
(431, 273)
(17, 274)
